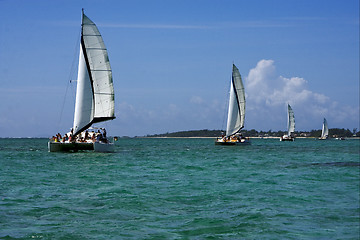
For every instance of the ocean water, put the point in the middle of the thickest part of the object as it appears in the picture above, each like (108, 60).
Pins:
(181, 189)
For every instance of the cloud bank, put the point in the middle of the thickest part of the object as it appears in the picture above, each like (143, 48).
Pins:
(269, 93)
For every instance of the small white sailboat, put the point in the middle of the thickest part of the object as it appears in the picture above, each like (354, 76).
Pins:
(291, 126)
(94, 95)
(236, 113)
(325, 131)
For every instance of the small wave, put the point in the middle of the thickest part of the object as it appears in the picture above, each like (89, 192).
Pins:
(338, 164)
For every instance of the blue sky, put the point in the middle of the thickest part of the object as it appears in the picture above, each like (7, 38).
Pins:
(172, 63)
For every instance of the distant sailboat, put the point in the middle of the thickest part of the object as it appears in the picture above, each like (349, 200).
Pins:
(325, 131)
(94, 95)
(291, 126)
(236, 112)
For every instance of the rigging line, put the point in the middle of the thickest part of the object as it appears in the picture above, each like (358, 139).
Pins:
(76, 53)
(63, 105)
(73, 66)
(72, 70)
(223, 126)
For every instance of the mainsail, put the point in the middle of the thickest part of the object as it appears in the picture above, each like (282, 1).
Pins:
(236, 112)
(95, 91)
(291, 121)
(325, 129)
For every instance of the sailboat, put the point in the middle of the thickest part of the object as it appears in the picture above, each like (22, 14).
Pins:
(291, 126)
(325, 131)
(94, 95)
(236, 113)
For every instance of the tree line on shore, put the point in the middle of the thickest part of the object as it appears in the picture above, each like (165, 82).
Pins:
(333, 132)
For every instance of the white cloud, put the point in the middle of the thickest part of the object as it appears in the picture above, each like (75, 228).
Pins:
(258, 80)
(268, 94)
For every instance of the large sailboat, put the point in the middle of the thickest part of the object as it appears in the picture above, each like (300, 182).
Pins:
(94, 95)
(291, 126)
(236, 113)
(325, 131)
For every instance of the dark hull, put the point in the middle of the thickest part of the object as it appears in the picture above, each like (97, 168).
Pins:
(287, 139)
(69, 147)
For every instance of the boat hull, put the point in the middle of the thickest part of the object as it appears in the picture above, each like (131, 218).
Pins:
(79, 146)
(68, 147)
(103, 147)
(232, 143)
(341, 138)
(287, 139)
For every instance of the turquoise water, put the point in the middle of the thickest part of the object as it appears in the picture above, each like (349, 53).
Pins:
(181, 189)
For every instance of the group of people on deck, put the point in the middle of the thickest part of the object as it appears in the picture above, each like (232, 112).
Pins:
(82, 137)
(235, 137)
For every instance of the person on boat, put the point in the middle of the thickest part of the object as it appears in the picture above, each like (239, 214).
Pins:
(71, 138)
(104, 132)
(239, 137)
(58, 137)
(99, 137)
(93, 138)
(86, 135)
(222, 136)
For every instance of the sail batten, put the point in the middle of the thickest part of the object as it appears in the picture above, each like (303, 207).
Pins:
(95, 91)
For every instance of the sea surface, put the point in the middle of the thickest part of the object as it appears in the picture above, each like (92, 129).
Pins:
(181, 189)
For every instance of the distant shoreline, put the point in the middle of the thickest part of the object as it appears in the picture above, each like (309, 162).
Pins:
(205, 133)
(347, 138)
(213, 134)
(249, 137)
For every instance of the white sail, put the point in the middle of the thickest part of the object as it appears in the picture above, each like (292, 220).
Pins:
(291, 121)
(95, 91)
(325, 129)
(84, 96)
(236, 111)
